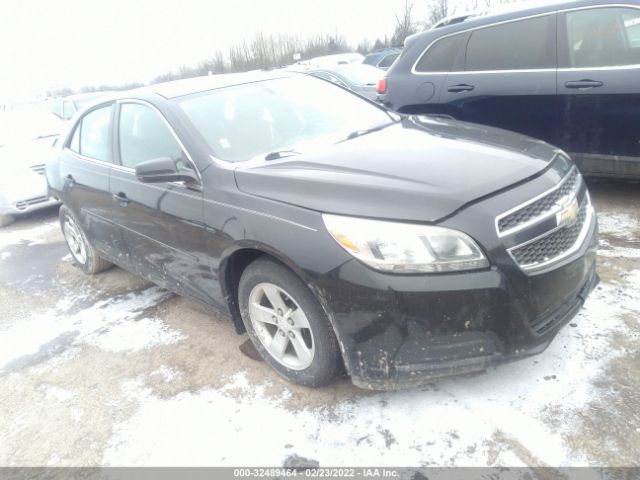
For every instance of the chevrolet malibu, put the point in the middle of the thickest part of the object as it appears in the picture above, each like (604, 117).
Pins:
(337, 235)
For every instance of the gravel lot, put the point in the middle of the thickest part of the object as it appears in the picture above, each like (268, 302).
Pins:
(110, 370)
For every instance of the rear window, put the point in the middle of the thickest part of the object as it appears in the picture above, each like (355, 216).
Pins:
(520, 45)
(603, 37)
(388, 60)
(441, 55)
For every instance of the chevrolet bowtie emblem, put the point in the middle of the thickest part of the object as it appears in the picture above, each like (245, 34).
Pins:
(569, 214)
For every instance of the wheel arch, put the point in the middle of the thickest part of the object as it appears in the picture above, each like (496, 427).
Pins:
(235, 260)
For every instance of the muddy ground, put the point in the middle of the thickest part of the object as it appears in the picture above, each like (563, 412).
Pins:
(110, 370)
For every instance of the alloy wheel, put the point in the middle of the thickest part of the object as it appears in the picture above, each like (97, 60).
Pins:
(281, 326)
(75, 240)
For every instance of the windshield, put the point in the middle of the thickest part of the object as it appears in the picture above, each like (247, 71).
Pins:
(296, 113)
(361, 74)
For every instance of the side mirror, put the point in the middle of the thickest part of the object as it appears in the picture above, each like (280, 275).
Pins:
(163, 169)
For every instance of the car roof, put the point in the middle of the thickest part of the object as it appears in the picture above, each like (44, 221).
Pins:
(517, 12)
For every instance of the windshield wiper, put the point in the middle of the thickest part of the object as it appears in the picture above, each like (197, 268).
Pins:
(280, 154)
(359, 133)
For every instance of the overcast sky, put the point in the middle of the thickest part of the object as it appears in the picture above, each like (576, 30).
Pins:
(48, 44)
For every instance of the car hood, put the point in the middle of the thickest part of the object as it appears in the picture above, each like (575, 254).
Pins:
(419, 169)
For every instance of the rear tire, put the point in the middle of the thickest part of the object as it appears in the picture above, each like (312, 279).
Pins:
(287, 325)
(84, 254)
(6, 220)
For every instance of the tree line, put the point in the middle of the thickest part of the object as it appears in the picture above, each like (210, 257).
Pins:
(266, 51)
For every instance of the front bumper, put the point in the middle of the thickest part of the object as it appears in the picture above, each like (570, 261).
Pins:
(28, 193)
(28, 205)
(403, 331)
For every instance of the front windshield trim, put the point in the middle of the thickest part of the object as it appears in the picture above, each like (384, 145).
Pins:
(213, 152)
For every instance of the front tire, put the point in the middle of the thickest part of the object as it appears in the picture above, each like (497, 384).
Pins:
(84, 254)
(287, 325)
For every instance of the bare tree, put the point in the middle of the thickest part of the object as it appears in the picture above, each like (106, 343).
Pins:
(405, 25)
(438, 10)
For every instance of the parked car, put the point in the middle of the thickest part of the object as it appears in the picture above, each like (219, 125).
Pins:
(567, 73)
(360, 79)
(330, 61)
(382, 59)
(332, 231)
(27, 135)
(66, 107)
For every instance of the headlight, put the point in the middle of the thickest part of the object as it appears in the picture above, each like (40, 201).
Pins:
(405, 248)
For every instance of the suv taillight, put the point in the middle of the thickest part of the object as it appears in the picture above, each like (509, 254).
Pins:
(382, 86)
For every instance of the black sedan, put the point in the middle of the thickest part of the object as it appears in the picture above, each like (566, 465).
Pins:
(336, 234)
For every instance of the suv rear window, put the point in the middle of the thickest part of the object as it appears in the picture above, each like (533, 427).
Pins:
(388, 60)
(440, 56)
(519, 45)
(603, 37)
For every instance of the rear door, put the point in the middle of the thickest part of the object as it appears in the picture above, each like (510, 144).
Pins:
(162, 223)
(432, 69)
(85, 167)
(599, 87)
(507, 78)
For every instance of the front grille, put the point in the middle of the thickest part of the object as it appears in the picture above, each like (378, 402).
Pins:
(542, 206)
(553, 245)
(32, 201)
(39, 169)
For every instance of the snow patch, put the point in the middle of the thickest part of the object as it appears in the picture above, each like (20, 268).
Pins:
(4, 255)
(108, 324)
(30, 235)
(167, 374)
(458, 421)
(618, 224)
(59, 394)
(134, 336)
(608, 250)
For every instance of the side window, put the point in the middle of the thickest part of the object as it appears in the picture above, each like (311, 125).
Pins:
(388, 60)
(144, 136)
(519, 45)
(441, 55)
(95, 141)
(603, 37)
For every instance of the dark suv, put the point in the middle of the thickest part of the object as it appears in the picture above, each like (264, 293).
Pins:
(568, 74)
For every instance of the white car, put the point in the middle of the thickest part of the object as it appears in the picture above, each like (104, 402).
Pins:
(26, 142)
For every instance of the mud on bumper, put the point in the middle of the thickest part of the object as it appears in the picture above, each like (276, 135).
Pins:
(464, 353)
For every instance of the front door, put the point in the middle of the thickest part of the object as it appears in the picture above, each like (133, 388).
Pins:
(162, 223)
(599, 87)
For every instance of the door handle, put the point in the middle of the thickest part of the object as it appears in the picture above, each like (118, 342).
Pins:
(121, 198)
(583, 84)
(69, 181)
(463, 87)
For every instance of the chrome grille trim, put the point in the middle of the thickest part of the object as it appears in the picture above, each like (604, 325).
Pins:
(39, 169)
(572, 180)
(30, 202)
(587, 222)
